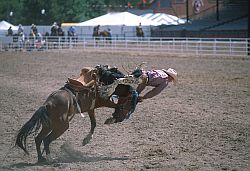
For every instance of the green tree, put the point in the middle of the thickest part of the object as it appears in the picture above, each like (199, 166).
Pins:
(28, 12)
(31, 12)
(94, 8)
(77, 10)
(8, 6)
(134, 3)
(61, 11)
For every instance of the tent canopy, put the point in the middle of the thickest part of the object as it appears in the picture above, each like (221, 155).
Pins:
(4, 25)
(118, 18)
(69, 24)
(163, 19)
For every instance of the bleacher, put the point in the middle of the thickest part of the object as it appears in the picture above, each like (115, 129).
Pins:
(232, 17)
(239, 24)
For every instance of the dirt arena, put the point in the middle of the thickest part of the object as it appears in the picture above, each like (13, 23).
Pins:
(203, 123)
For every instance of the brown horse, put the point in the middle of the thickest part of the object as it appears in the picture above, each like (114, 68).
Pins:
(139, 32)
(106, 35)
(102, 35)
(90, 91)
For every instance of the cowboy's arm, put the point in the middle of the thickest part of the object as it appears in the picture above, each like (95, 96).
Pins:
(155, 91)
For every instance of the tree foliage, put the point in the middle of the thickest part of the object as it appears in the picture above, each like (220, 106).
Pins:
(29, 12)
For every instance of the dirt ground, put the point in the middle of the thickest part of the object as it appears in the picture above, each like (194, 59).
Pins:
(202, 123)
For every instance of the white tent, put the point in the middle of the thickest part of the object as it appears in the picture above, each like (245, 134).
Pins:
(118, 18)
(164, 19)
(4, 25)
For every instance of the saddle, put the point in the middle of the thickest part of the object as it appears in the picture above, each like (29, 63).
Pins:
(85, 81)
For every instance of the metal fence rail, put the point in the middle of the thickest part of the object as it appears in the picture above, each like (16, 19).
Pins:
(197, 46)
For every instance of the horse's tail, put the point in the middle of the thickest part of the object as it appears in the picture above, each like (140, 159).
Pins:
(40, 117)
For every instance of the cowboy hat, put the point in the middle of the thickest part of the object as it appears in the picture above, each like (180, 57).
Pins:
(171, 72)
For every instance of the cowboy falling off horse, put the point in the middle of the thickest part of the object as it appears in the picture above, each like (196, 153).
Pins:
(95, 87)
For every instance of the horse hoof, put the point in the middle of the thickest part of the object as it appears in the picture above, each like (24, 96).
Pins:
(50, 160)
(42, 160)
(110, 121)
(86, 140)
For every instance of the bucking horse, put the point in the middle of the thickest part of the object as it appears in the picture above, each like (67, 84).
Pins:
(94, 88)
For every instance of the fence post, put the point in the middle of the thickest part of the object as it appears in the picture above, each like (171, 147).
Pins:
(174, 44)
(59, 43)
(197, 47)
(214, 47)
(230, 47)
(47, 43)
(186, 44)
(248, 45)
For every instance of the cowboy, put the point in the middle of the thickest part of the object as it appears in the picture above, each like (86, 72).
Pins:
(20, 30)
(139, 31)
(96, 30)
(10, 31)
(54, 29)
(158, 79)
(34, 29)
(72, 31)
(140, 27)
(109, 36)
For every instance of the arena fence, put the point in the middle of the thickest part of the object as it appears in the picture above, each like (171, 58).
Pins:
(170, 45)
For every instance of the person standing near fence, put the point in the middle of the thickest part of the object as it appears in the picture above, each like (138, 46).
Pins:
(109, 35)
(20, 29)
(34, 30)
(139, 31)
(72, 31)
(10, 31)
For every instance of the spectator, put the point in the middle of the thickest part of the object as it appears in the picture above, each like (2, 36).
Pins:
(96, 31)
(109, 35)
(110, 32)
(20, 30)
(60, 31)
(139, 26)
(10, 31)
(54, 29)
(72, 31)
(34, 29)
(139, 31)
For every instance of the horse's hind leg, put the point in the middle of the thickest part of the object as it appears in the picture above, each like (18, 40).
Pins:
(57, 131)
(39, 138)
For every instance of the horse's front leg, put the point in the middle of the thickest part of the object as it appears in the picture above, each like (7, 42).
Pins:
(87, 139)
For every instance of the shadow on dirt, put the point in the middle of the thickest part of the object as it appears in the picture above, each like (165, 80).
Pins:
(69, 155)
